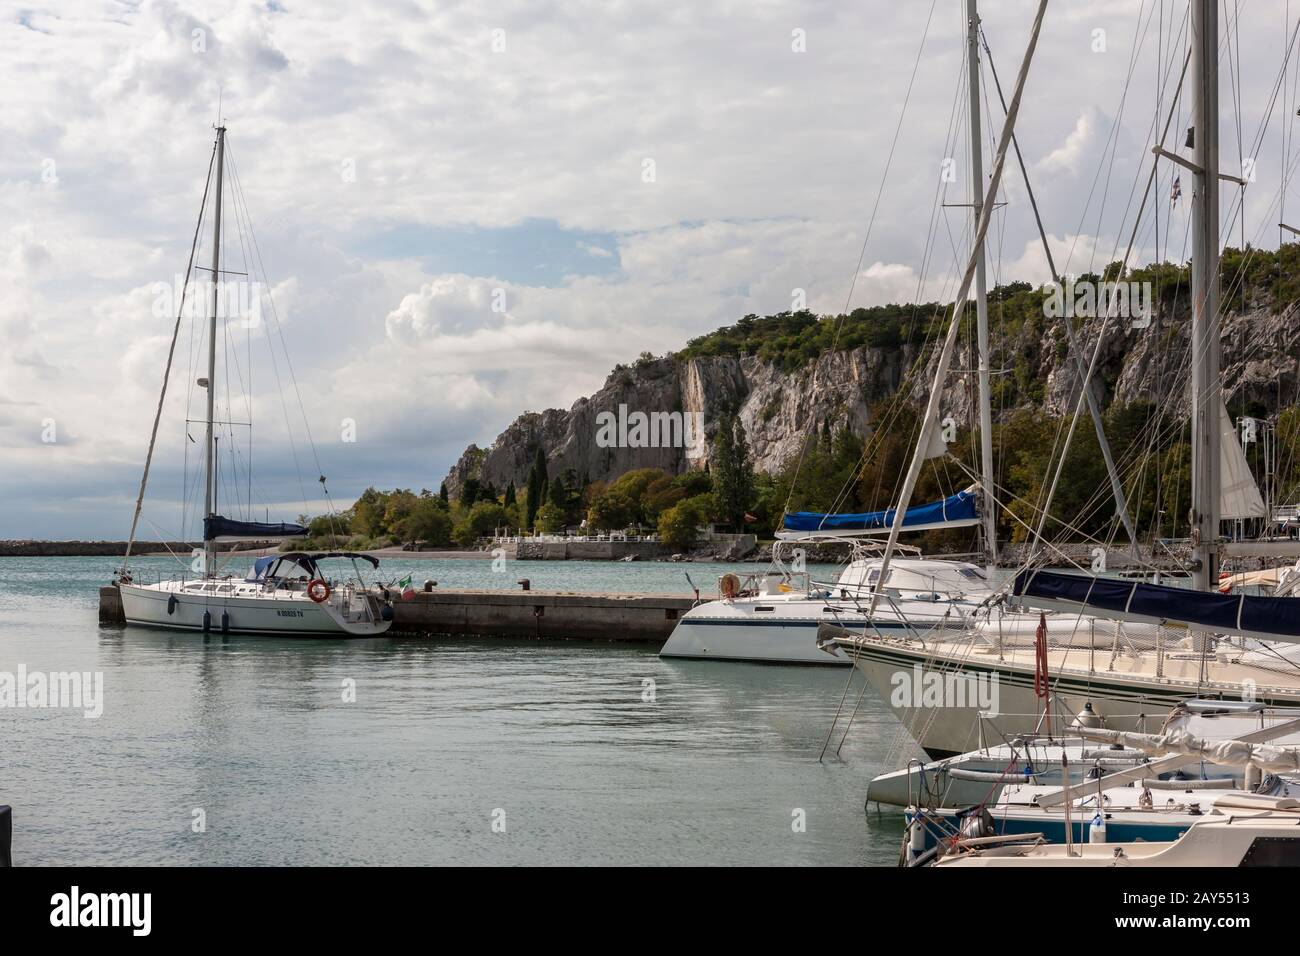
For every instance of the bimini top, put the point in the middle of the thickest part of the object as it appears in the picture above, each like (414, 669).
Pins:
(1271, 618)
(955, 511)
(272, 565)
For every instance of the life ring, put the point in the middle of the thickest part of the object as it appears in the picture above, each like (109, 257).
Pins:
(729, 585)
(318, 591)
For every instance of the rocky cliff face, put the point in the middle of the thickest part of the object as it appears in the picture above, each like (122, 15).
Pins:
(778, 409)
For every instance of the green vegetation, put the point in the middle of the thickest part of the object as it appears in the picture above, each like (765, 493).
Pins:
(838, 470)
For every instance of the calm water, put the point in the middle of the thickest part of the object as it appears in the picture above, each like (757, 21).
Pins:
(554, 738)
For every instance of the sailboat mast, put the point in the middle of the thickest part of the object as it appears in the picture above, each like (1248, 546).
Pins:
(210, 442)
(1206, 390)
(981, 296)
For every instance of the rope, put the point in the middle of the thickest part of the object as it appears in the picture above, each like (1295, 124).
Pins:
(171, 351)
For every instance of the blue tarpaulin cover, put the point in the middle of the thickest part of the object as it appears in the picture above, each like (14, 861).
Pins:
(951, 510)
(1237, 613)
(215, 526)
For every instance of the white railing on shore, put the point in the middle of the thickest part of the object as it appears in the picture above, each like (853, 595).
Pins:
(614, 536)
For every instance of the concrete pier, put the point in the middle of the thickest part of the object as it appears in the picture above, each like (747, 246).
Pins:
(110, 605)
(550, 615)
(541, 614)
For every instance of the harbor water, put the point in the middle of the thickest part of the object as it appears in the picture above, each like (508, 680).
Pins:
(426, 751)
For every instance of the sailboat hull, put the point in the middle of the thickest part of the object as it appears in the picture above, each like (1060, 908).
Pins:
(243, 610)
(1126, 694)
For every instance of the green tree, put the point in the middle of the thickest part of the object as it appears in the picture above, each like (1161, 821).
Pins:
(537, 484)
(550, 517)
(480, 521)
(469, 492)
(368, 513)
(679, 525)
(612, 511)
(733, 474)
(427, 522)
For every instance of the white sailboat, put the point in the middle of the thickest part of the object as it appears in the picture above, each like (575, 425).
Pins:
(917, 597)
(1154, 645)
(289, 594)
(773, 616)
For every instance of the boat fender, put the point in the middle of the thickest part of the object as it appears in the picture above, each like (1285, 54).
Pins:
(318, 591)
(207, 621)
(225, 622)
(171, 604)
(386, 612)
(1097, 831)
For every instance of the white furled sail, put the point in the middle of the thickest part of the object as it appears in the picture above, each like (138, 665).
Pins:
(936, 447)
(1225, 753)
(1239, 496)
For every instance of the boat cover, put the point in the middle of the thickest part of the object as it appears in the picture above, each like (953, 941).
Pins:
(217, 528)
(955, 511)
(1270, 618)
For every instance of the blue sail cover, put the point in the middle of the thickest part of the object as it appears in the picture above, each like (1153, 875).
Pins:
(1266, 617)
(217, 528)
(953, 511)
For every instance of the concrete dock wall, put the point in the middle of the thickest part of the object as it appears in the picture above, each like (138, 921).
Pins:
(587, 550)
(542, 614)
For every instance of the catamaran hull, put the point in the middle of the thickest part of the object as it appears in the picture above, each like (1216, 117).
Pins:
(176, 610)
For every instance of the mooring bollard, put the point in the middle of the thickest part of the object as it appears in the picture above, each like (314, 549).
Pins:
(429, 586)
(524, 583)
(6, 836)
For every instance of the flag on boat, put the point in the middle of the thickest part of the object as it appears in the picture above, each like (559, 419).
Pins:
(1176, 191)
(404, 586)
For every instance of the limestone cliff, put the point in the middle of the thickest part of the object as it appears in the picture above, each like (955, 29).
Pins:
(778, 407)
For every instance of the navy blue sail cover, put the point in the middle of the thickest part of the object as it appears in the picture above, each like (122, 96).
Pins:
(215, 526)
(955, 508)
(1202, 609)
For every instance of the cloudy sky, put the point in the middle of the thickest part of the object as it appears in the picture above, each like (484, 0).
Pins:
(468, 210)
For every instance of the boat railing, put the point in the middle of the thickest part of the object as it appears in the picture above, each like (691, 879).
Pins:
(764, 584)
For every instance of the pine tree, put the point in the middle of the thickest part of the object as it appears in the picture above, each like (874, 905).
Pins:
(442, 493)
(510, 494)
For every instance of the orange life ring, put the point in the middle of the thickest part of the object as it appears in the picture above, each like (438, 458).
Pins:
(318, 591)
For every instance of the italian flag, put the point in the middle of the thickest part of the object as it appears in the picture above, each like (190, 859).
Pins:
(404, 586)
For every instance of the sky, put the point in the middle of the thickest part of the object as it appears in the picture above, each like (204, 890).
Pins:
(465, 211)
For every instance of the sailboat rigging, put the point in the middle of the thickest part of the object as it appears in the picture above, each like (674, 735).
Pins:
(289, 594)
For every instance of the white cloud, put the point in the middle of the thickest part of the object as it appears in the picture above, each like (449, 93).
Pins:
(767, 164)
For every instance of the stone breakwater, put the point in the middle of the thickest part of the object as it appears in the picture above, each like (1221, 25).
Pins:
(93, 549)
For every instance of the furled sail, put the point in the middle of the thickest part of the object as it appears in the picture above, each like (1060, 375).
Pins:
(955, 511)
(217, 528)
(1268, 618)
(1239, 496)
